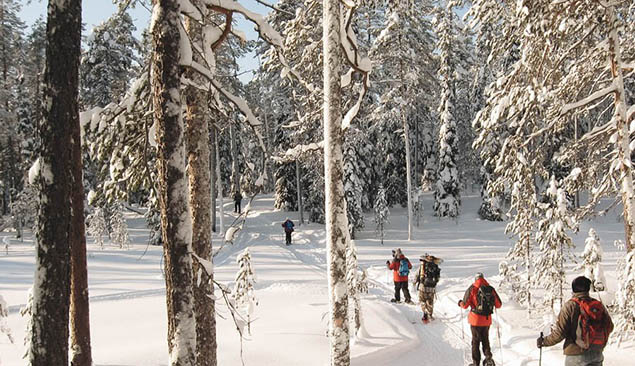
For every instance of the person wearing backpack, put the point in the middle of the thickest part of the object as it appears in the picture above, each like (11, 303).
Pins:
(482, 299)
(585, 326)
(288, 226)
(426, 283)
(400, 266)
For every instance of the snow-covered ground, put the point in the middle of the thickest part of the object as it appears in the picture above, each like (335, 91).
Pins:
(128, 317)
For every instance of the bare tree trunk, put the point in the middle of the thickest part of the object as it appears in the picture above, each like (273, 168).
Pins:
(336, 220)
(219, 185)
(51, 285)
(299, 191)
(80, 316)
(200, 197)
(212, 169)
(173, 190)
(623, 135)
(233, 146)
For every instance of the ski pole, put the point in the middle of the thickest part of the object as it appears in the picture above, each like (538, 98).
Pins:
(540, 359)
(462, 331)
(498, 332)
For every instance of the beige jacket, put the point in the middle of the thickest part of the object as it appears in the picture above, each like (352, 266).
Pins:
(566, 326)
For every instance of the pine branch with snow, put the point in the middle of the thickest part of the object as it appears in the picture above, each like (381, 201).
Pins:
(244, 287)
(4, 314)
(624, 303)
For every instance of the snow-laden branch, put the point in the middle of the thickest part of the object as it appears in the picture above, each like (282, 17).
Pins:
(598, 94)
(299, 151)
(355, 60)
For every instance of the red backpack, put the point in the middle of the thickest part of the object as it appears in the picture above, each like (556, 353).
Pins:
(593, 328)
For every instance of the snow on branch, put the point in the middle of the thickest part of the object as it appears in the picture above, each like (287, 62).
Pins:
(299, 151)
(358, 63)
(597, 95)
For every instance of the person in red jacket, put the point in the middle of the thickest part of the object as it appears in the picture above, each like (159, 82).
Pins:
(481, 298)
(401, 281)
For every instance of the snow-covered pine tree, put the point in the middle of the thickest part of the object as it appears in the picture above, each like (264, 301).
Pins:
(244, 291)
(24, 208)
(108, 64)
(382, 212)
(51, 286)
(447, 198)
(96, 223)
(4, 314)
(592, 261)
(555, 245)
(119, 229)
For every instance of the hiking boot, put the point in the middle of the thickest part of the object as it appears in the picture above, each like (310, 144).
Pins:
(489, 362)
(394, 300)
(409, 302)
(425, 319)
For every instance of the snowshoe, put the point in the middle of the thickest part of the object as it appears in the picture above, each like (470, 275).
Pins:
(425, 319)
(489, 362)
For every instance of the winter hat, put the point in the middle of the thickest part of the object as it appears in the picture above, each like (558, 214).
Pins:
(581, 284)
(398, 252)
(478, 275)
(424, 257)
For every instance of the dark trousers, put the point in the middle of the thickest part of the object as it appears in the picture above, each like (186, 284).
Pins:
(480, 335)
(237, 206)
(402, 286)
(288, 236)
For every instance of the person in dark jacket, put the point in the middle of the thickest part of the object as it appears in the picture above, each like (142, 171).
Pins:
(567, 324)
(401, 282)
(288, 229)
(426, 282)
(479, 323)
(237, 200)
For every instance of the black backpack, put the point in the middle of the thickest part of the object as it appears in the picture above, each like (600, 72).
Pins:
(432, 273)
(485, 300)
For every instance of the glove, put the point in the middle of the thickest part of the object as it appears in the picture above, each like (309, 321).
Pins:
(460, 303)
(539, 342)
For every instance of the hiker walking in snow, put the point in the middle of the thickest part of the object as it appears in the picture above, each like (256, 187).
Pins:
(426, 282)
(481, 298)
(400, 266)
(237, 199)
(587, 316)
(288, 229)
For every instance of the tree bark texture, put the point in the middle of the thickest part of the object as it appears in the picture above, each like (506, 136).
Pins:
(173, 190)
(81, 354)
(623, 139)
(336, 220)
(51, 285)
(198, 168)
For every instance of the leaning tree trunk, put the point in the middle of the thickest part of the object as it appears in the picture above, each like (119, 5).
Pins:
(623, 134)
(81, 354)
(336, 220)
(408, 174)
(51, 284)
(173, 192)
(198, 166)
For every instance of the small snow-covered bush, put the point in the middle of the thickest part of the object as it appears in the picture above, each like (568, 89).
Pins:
(119, 234)
(591, 261)
(96, 226)
(381, 212)
(624, 303)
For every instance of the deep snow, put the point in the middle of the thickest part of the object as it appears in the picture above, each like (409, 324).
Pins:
(128, 304)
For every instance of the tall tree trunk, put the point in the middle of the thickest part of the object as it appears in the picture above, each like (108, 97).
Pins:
(173, 191)
(336, 220)
(233, 146)
(299, 191)
(212, 169)
(51, 284)
(623, 135)
(80, 316)
(198, 167)
(408, 174)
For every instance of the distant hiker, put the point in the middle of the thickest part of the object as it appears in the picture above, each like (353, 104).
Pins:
(481, 298)
(587, 317)
(237, 199)
(288, 229)
(426, 282)
(400, 266)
